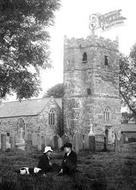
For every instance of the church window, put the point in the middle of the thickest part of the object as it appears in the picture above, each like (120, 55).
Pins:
(107, 114)
(84, 58)
(106, 61)
(52, 117)
(88, 91)
(8, 134)
(68, 62)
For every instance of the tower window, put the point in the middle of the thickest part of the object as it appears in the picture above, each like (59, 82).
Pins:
(106, 61)
(52, 117)
(8, 134)
(107, 114)
(88, 91)
(84, 58)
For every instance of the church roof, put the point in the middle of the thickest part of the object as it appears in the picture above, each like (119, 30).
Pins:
(25, 107)
(129, 127)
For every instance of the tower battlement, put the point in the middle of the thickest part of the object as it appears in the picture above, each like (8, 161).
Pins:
(91, 41)
(91, 84)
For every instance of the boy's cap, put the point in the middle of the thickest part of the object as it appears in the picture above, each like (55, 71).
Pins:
(68, 145)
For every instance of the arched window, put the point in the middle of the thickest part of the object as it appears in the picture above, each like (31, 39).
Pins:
(8, 134)
(84, 58)
(107, 114)
(106, 61)
(52, 115)
(88, 91)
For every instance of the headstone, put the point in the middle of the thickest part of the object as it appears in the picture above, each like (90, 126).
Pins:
(12, 141)
(39, 142)
(91, 140)
(92, 143)
(0, 141)
(29, 142)
(60, 143)
(86, 142)
(29, 138)
(105, 144)
(55, 142)
(111, 136)
(20, 143)
(82, 141)
(34, 139)
(117, 144)
(42, 142)
(76, 142)
(8, 144)
(3, 142)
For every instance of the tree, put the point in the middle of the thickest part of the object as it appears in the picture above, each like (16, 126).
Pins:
(126, 117)
(128, 80)
(24, 44)
(56, 91)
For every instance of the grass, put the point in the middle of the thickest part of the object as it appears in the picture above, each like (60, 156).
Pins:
(98, 171)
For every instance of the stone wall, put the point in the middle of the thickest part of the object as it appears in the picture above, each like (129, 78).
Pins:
(91, 86)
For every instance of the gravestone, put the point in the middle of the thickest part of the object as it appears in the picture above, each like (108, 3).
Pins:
(42, 142)
(39, 146)
(12, 141)
(55, 142)
(92, 143)
(82, 141)
(20, 142)
(91, 140)
(3, 142)
(29, 142)
(105, 144)
(86, 142)
(65, 139)
(60, 142)
(29, 138)
(34, 139)
(0, 141)
(8, 144)
(77, 142)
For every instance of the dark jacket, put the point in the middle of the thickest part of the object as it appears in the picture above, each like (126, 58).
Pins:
(44, 163)
(69, 163)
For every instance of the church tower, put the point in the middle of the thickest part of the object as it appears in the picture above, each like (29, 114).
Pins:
(91, 85)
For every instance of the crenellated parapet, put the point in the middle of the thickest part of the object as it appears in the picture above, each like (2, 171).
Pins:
(91, 41)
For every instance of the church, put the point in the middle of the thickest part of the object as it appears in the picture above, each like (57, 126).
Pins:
(35, 121)
(91, 97)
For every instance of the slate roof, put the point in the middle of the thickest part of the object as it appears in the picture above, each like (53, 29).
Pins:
(129, 127)
(25, 107)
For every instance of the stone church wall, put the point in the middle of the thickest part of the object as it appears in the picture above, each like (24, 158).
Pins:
(36, 129)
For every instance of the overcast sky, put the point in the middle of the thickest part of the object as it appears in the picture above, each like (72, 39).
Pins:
(72, 20)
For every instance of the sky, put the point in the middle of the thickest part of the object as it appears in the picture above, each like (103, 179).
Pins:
(72, 20)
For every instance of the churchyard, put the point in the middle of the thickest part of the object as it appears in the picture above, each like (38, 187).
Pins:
(100, 170)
